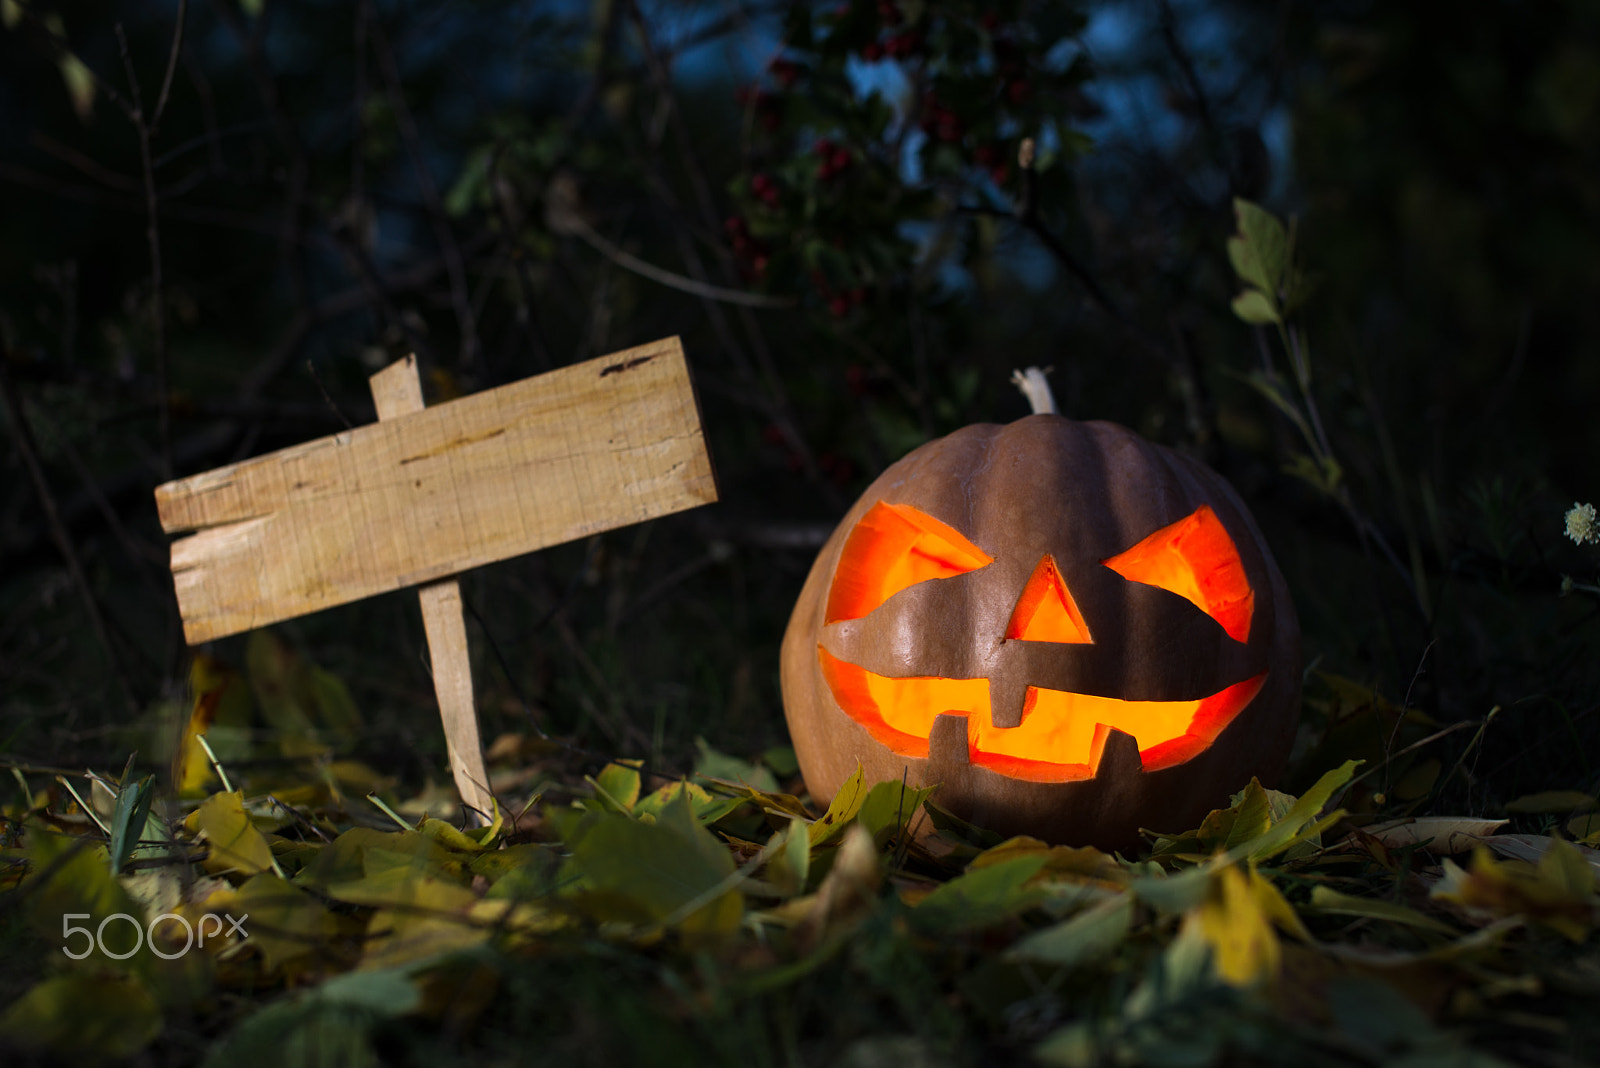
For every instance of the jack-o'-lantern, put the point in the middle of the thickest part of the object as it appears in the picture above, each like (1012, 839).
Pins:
(1074, 632)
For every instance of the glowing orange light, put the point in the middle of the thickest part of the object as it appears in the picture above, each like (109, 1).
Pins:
(1195, 559)
(1046, 611)
(1062, 734)
(893, 547)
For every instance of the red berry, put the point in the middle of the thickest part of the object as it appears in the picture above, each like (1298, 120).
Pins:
(1018, 90)
(888, 12)
(758, 265)
(786, 72)
(999, 173)
(904, 44)
(838, 306)
(872, 51)
(986, 155)
(760, 183)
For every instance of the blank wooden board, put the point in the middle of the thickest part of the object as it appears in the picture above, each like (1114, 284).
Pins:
(586, 448)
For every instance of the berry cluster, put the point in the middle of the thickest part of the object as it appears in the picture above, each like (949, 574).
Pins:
(833, 159)
(753, 253)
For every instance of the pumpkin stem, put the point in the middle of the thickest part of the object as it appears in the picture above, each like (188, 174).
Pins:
(1036, 389)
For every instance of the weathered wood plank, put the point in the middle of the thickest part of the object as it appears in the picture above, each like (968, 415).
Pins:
(397, 391)
(601, 444)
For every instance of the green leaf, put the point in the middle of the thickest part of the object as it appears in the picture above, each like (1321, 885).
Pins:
(128, 820)
(1174, 893)
(717, 765)
(329, 1025)
(471, 183)
(616, 787)
(889, 807)
(646, 873)
(790, 865)
(1083, 939)
(1301, 818)
(1250, 816)
(707, 809)
(982, 897)
(85, 1018)
(1259, 251)
(1255, 308)
(841, 810)
(1327, 899)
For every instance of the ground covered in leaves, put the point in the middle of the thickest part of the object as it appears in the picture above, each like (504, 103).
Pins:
(310, 914)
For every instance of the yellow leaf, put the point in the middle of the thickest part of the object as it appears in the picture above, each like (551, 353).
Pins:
(282, 921)
(222, 706)
(235, 843)
(406, 888)
(83, 1018)
(1558, 893)
(397, 937)
(1586, 829)
(1244, 949)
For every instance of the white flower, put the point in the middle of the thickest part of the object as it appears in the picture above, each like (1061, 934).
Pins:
(1583, 525)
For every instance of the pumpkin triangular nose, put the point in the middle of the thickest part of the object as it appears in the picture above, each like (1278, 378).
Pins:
(1046, 611)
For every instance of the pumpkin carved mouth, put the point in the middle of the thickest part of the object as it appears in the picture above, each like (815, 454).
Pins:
(1062, 734)
(899, 714)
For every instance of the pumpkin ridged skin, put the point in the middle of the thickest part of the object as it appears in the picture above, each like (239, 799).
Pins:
(1081, 492)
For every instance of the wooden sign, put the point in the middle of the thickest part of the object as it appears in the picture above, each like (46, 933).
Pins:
(426, 493)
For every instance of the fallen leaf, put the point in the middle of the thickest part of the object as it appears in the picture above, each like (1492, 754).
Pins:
(1557, 893)
(1558, 802)
(1085, 938)
(84, 1017)
(1238, 929)
(981, 897)
(235, 844)
(1445, 835)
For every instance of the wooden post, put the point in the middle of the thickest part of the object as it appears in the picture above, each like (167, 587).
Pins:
(427, 493)
(397, 391)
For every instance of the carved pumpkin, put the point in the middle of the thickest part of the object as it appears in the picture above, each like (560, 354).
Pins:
(1075, 632)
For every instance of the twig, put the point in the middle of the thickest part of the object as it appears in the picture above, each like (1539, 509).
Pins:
(22, 433)
(216, 765)
(569, 222)
(88, 809)
(172, 65)
(152, 233)
(311, 369)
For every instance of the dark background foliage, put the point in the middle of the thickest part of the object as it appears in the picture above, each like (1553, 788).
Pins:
(506, 188)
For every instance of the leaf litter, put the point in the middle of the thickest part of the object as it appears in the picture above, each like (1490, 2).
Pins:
(615, 915)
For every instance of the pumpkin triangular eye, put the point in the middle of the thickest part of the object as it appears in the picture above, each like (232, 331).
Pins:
(892, 547)
(1195, 559)
(1046, 611)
